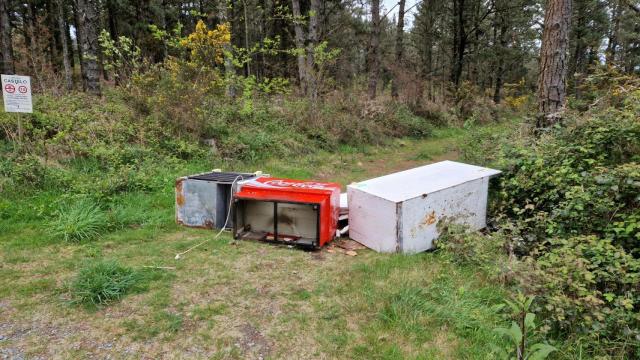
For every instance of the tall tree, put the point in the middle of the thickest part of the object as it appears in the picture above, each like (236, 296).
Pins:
(374, 49)
(299, 40)
(66, 59)
(6, 46)
(425, 35)
(501, 29)
(88, 27)
(306, 46)
(459, 44)
(399, 47)
(229, 68)
(589, 26)
(312, 73)
(612, 43)
(553, 62)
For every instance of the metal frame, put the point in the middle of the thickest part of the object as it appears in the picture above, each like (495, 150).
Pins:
(316, 206)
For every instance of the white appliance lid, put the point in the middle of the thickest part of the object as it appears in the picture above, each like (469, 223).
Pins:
(423, 180)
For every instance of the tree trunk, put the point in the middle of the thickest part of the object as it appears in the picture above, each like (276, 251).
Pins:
(374, 49)
(62, 27)
(613, 35)
(229, 70)
(67, 35)
(31, 39)
(553, 62)
(501, 54)
(299, 40)
(459, 43)
(427, 54)
(7, 65)
(89, 28)
(54, 36)
(246, 34)
(79, 37)
(312, 73)
(112, 19)
(399, 48)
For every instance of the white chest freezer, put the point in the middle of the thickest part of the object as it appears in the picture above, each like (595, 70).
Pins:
(400, 212)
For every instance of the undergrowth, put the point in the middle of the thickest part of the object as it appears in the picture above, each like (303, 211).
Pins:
(567, 208)
(102, 282)
(82, 221)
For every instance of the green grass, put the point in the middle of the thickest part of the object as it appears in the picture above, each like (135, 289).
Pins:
(84, 220)
(372, 306)
(103, 282)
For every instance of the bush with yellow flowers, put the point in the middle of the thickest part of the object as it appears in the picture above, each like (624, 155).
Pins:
(207, 45)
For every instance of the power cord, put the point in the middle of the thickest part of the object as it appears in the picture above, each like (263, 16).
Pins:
(178, 255)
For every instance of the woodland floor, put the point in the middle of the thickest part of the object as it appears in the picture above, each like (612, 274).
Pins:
(249, 300)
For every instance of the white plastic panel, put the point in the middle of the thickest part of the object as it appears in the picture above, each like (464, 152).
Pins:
(462, 204)
(426, 179)
(372, 221)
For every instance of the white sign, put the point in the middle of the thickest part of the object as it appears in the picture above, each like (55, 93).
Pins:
(16, 92)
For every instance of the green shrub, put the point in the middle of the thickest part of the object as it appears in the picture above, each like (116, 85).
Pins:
(470, 248)
(569, 203)
(588, 287)
(576, 182)
(103, 282)
(82, 221)
(412, 125)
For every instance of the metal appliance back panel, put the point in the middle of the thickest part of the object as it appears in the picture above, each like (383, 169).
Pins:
(202, 200)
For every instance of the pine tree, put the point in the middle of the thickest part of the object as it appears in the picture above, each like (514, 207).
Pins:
(553, 62)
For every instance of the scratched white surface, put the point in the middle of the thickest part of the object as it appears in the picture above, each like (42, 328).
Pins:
(372, 221)
(400, 212)
(426, 179)
(464, 204)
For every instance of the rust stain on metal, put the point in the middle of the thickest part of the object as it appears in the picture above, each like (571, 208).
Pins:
(179, 193)
(429, 219)
(207, 225)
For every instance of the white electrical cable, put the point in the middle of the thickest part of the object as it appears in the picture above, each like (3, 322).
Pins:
(178, 255)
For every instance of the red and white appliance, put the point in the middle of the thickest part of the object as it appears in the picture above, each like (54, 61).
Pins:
(295, 212)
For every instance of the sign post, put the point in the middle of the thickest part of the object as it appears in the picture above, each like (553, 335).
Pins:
(16, 93)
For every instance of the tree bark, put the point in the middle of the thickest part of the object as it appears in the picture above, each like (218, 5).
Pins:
(89, 28)
(112, 19)
(66, 62)
(69, 40)
(612, 44)
(501, 54)
(79, 36)
(229, 70)
(300, 48)
(553, 62)
(246, 34)
(31, 40)
(7, 66)
(374, 49)
(399, 48)
(459, 43)
(428, 9)
(312, 73)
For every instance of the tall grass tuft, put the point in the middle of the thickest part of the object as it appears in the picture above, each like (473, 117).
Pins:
(103, 282)
(82, 221)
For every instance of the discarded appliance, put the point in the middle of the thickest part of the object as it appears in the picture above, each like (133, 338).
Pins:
(344, 204)
(400, 212)
(203, 200)
(303, 213)
(343, 219)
